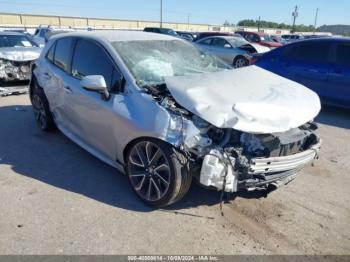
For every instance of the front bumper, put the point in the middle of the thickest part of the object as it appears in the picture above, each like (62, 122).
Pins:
(261, 171)
(15, 70)
(284, 163)
(277, 170)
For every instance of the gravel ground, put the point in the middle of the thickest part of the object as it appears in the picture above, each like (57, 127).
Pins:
(58, 199)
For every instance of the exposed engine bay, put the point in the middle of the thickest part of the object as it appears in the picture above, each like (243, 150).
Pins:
(229, 159)
(14, 70)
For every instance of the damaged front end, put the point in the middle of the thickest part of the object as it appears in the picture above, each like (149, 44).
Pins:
(14, 70)
(232, 160)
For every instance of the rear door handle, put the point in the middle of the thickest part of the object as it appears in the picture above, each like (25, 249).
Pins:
(314, 71)
(47, 75)
(68, 89)
(337, 72)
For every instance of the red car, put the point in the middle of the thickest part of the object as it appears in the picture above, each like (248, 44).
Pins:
(259, 38)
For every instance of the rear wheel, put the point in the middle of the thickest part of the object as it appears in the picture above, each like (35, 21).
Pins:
(240, 61)
(158, 172)
(41, 109)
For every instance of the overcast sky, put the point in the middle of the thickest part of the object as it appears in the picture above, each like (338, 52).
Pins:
(199, 11)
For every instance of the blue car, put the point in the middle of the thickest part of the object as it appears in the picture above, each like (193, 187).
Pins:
(322, 65)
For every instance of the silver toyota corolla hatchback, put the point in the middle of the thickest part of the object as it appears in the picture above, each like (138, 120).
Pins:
(162, 111)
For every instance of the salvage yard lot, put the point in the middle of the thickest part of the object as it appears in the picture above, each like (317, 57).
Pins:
(58, 199)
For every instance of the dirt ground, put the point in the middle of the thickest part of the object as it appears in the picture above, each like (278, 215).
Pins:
(58, 199)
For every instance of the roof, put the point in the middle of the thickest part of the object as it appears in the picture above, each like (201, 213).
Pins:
(323, 39)
(227, 37)
(249, 32)
(115, 35)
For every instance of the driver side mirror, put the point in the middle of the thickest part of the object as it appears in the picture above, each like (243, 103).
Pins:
(96, 83)
(227, 46)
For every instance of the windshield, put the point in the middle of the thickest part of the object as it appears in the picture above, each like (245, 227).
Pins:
(15, 41)
(150, 61)
(237, 42)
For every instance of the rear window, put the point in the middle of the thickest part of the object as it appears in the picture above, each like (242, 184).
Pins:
(343, 54)
(51, 53)
(63, 53)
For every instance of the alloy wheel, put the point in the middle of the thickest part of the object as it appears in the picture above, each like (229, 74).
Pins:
(240, 62)
(39, 111)
(149, 171)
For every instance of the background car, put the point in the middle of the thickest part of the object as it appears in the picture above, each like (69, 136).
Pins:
(202, 35)
(292, 38)
(40, 35)
(158, 30)
(278, 39)
(17, 52)
(186, 35)
(322, 65)
(234, 50)
(259, 38)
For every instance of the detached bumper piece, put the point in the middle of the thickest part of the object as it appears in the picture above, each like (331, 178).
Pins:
(13, 90)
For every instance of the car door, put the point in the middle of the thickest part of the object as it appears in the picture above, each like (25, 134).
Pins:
(309, 64)
(53, 76)
(339, 76)
(223, 49)
(205, 43)
(93, 116)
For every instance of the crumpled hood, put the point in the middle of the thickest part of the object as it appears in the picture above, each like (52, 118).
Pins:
(20, 53)
(260, 48)
(248, 99)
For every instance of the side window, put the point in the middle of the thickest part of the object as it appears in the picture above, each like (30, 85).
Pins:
(343, 54)
(51, 53)
(219, 42)
(206, 41)
(90, 59)
(313, 52)
(255, 38)
(63, 53)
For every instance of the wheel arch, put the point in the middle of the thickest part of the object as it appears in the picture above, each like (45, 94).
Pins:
(135, 140)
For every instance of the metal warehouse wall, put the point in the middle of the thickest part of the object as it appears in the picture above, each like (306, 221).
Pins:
(30, 21)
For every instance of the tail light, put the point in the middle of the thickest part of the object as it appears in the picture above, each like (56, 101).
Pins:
(253, 60)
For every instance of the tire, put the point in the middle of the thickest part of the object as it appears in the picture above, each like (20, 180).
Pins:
(158, 172)
(240, 61)
(41, 109)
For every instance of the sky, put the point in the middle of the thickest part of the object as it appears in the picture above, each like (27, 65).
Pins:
(198, 11)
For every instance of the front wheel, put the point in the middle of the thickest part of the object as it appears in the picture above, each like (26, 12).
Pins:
(240, 61)
(158, 172)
